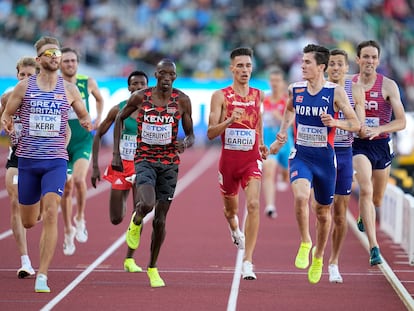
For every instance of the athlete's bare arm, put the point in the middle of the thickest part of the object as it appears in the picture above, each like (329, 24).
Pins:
(75, 100)
(3, 103)
(358, 95)
(94, 90)
(187, 123)
(134, 102)
(341, 102)
(13, 103)
(216, 124)
(102, 129)
(288, 117)
(259, 129)
(391, 93)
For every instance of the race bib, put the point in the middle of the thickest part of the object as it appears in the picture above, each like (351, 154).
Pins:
(156, 134)
(44, 125)
(372, 121)
(341, 135)
(239, 139)
(17, 130)
(128, 146)
(312, 136)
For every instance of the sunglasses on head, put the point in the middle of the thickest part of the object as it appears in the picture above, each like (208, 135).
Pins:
(51, 53)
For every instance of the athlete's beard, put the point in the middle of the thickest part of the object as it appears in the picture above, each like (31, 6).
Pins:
(50, 67)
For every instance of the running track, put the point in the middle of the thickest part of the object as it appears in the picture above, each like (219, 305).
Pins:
(198, 262)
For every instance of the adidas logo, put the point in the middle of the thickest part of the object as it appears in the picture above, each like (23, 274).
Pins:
(118, 182)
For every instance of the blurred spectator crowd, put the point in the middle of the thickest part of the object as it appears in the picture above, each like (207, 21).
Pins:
(198, 34)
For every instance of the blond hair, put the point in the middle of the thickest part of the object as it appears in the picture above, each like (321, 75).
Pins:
(27, 62)
(45, 40)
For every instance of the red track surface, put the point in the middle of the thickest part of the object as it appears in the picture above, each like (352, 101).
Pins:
(198, 262)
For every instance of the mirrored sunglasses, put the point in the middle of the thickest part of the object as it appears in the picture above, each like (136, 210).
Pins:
(51, 53)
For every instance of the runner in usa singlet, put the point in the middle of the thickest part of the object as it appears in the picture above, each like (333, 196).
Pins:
(378, 111)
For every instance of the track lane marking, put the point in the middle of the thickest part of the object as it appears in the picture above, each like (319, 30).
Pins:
(196, 171)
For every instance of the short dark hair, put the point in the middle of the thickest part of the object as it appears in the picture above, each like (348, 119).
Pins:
(137, 73)
(241, 51)
(366, 43)
(68, 49)
(339, 52)
(320, 52)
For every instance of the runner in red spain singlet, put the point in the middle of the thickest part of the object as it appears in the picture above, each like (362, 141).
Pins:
(240, 158)
(235, 116)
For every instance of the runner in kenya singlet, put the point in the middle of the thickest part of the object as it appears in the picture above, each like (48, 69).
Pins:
(158, 130)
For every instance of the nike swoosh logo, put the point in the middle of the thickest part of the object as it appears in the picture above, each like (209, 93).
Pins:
(32, 95)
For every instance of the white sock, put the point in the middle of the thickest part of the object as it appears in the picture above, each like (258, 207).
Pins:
(25, 260)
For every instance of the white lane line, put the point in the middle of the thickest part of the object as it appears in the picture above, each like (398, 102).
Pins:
(234, 293)
(197, 170)
(396, 284)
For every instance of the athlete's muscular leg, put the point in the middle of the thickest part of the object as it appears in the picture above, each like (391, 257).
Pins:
(362, 167)
(251, 229)
(117, 205)
(145, 202)
(19, 231)
(49, 234)
(66, 205)
(379, 182)
(80, 170)
(323, 225)
(340, 226)
(158, 230)
(268, 179)
(301, 193)
(231, 209)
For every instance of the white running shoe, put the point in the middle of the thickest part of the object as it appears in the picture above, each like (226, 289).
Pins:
(247, 271)
(334, 275)
(69, 243)
(238, 238)
(81, 232)
(25, 271)
(270, 211)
